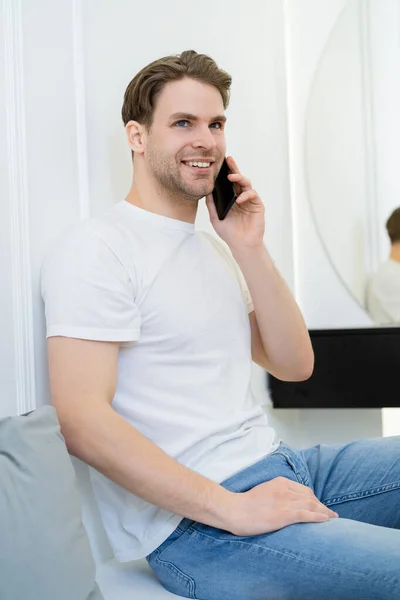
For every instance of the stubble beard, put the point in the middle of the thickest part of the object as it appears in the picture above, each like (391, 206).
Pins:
(166, 171)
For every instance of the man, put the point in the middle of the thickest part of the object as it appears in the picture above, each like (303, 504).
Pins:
(152, 328)
(383, 290)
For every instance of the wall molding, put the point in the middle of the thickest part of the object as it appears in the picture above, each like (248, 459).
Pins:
(19, 208)
(364, 9)
(80, 107)
(291, 154)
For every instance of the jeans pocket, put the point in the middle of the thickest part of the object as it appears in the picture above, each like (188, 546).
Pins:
(165, 562)
(297, 464)
(175, 535)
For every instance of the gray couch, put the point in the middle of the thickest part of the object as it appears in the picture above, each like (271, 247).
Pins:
(53, 544)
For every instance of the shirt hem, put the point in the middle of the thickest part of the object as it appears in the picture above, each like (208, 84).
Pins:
(87, 333)
(125, 556)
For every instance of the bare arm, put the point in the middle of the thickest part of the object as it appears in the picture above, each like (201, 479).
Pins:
(83, 376)
(279, 337)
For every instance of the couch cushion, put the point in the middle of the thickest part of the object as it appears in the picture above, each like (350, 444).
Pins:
(44, 549)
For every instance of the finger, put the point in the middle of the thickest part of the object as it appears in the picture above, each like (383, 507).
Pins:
(232, 164)
(241, 180)
(302, 516)
(304, 490)
(246, 196)
(330, 512)
(317, 506)
(308, 516)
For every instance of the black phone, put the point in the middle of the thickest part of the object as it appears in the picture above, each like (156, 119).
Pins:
(224, 193)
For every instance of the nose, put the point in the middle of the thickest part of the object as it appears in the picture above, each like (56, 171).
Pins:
(204, 138)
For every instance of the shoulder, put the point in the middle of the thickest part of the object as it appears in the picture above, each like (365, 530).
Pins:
(385, 281)
(106, 238)
(79, 244)
(91, 250)
(387, 271)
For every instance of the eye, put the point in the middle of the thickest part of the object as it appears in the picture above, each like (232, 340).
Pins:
(219, 125)
(178, 123)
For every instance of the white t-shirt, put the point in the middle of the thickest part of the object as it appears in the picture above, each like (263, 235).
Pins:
(177, 300)
(383, 294)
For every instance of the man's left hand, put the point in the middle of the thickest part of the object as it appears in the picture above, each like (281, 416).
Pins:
(243, 227)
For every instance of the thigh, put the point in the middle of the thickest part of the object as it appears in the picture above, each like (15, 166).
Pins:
(359, 480)
(336, 560)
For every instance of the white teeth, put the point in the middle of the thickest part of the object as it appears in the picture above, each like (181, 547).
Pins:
(203, 165)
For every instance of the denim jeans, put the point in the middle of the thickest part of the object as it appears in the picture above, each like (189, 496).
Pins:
(354, 557)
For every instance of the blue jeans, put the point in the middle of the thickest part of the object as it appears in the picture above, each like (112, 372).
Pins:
(354, 557)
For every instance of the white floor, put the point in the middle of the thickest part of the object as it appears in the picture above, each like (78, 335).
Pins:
(390, 421)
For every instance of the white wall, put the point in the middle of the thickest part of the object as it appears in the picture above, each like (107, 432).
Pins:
(351, 129)
(325, 301)
(70, 64)
(385, 74)
(335, 151)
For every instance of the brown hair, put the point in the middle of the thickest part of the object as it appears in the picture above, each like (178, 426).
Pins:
(142, 92)
(393, 226)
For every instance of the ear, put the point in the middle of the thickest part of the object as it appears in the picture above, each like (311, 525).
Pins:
(135, 132)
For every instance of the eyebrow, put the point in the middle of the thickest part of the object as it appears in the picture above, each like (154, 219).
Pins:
(188, 116)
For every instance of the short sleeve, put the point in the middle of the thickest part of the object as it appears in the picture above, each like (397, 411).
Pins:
(87, 291)
(223, 249)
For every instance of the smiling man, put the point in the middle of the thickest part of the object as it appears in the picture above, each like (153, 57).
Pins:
(152, 327)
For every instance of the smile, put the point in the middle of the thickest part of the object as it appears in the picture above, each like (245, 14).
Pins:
(205, 167)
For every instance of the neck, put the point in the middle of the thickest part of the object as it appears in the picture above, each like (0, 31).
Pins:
(395, 252)
(146, 194)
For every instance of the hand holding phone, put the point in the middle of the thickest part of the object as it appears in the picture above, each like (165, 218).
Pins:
(245, 226)
(224, 193)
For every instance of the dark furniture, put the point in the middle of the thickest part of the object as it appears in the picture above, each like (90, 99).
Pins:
(354, 368)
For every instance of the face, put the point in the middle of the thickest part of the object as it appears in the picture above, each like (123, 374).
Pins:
(188, 126)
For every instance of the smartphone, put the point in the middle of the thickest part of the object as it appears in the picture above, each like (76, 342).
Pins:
(224, 192)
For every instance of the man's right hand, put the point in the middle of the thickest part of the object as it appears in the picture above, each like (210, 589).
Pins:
(273, 505)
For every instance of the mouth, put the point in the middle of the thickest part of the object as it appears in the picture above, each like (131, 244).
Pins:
(202, 167)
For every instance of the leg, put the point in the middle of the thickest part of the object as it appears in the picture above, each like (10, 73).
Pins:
(336, 560)
(360, 480)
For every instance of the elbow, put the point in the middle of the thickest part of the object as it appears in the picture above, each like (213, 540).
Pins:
(303, 374)
(300, 371)
(304, 370)
(71, 430)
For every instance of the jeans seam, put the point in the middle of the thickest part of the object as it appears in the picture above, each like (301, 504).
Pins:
(301, 475)
(363, 494)
(178, 573)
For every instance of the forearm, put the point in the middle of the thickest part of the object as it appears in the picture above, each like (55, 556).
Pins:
(108, 443)
(282, 329)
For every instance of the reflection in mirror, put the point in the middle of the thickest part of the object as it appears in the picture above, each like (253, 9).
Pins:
(383, 288)
(351, 150)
